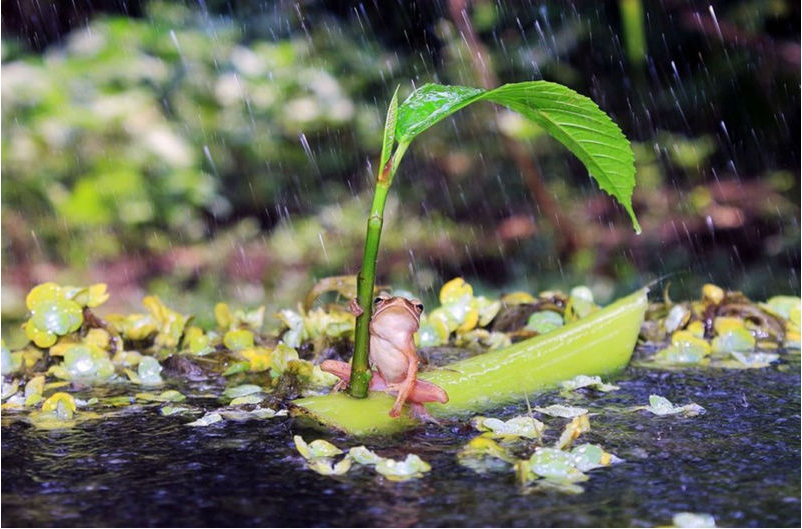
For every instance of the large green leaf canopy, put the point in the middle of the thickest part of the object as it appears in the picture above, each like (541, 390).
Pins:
(573, 119)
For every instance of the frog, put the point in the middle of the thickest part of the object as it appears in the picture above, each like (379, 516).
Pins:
(392, 352)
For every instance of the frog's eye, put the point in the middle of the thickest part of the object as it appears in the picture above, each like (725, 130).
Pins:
(378, 300)
(419, 306)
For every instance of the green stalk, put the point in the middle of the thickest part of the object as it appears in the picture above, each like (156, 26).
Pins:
(366, 279)
(599, 344)
(634, 31)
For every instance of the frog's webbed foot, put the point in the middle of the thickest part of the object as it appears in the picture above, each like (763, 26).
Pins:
(355, 309)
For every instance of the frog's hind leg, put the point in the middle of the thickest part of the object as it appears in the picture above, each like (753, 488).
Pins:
(343, 371)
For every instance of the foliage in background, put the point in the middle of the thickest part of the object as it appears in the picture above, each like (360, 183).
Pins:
(141, 132)
(147, 136)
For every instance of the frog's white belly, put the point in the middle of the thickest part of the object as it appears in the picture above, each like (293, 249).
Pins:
(391, 363)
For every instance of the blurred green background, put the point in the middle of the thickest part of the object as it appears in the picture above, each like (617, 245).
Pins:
(225, 150)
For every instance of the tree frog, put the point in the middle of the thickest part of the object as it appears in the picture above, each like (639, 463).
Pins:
(392, 352)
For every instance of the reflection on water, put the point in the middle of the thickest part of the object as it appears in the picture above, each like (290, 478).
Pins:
(739, 462)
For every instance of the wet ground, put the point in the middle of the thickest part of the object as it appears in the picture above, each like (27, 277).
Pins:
(739, 462)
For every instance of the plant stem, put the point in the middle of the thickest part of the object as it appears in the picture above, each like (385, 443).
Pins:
(366, 279)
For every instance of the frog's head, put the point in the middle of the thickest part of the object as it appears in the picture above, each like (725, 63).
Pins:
(397, 311)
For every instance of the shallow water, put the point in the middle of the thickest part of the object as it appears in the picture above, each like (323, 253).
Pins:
(740, 462)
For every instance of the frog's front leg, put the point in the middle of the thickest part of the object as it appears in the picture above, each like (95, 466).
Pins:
(405, 387)
(354, 307)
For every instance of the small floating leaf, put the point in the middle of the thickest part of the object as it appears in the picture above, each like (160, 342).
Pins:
(454, 291)
(691, 519)
(544, 321)
(44, 292)
(587, 457)
(247, 415)
(363, 456)
(517, 298)
(259, 359)
(7, 363)
(170, 323)
(63, 404)
(410, 468)
(522, 426)
(222, 314)
(315, 449)
(91, 296)
(483, 454)
(432, 332)
(237, 367)
(737, 339)
(9, 389)
(98, 337)
(167, 411)
(247, 399)
(580, 303)
(487, 309)
(555, 464)
(241, 391)
(198, 342)
(677, 318)
(295, 333)
(662, 406)
(324, 466)
(572, 431)
(584, 381)
(206, 420)
(559, 410)
(238, 339)
(782, 306)
(58, 316)
(712, 294)
(85, 363)
(755, 360)
(149, 371)
(170, 395)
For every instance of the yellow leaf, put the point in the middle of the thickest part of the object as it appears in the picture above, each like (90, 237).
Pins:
(686, 338)
(259, 358)
(470, 321)
(61, 403)
(222, 314)
(722, 324)
(98, 337)
(517, 298)
(455, 290)
(712, 294)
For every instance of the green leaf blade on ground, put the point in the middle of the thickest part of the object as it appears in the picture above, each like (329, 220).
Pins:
(572, 119)
(599, 344)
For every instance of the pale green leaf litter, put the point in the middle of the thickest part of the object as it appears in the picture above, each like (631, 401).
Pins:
(584, 381)
(319, 456)
(662, 406)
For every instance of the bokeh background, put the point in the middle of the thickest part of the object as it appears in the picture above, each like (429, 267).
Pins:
(224, 150)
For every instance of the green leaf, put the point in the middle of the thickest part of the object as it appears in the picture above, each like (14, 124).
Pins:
(572, 119)
(389, 130)
(430, 104)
